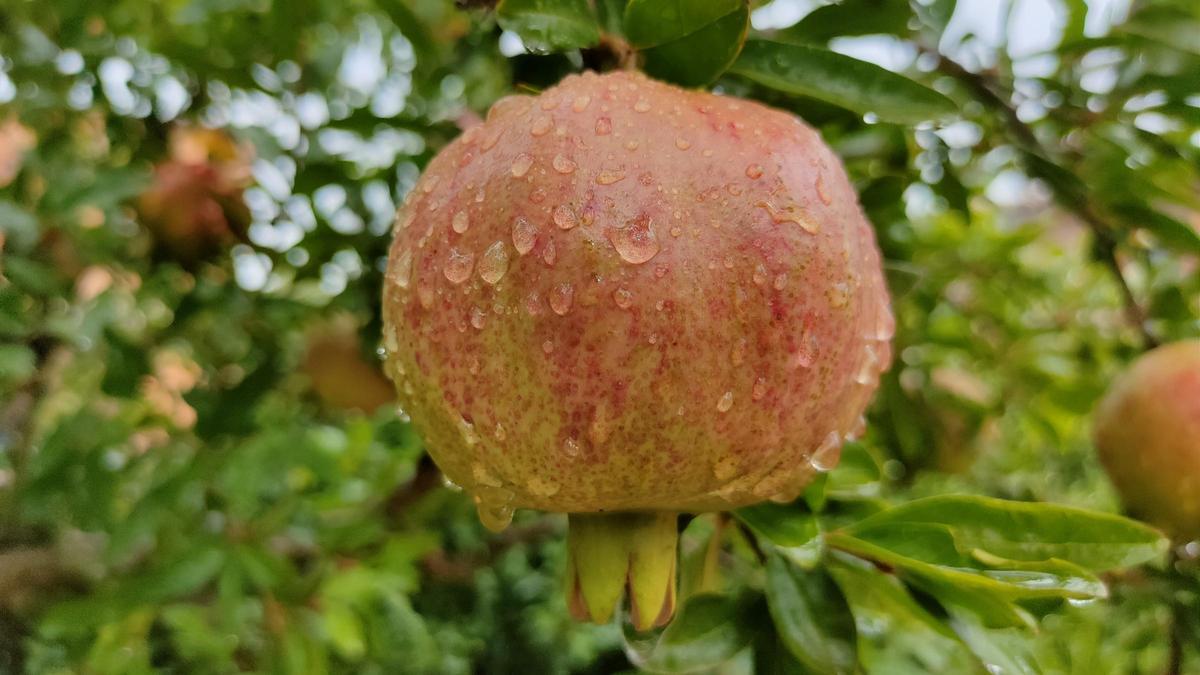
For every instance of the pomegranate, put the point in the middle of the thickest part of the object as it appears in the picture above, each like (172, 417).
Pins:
(623, 300)
(1148, 436)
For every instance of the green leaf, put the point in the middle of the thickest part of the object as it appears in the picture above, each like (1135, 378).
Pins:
(795, 534)
(19, 227)
(895, 634)
(345, 631)
(1166, 26)
(649, 23)
(1008, 651)
(811, 616)
(1024, 530)
(707, 631)
(700, 57)
(853, 17)
(181, 576)
(17, 363)
(859, 86)
(1172, 233)
(550, 25)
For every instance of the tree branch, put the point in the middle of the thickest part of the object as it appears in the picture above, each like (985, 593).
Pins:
(987, 91)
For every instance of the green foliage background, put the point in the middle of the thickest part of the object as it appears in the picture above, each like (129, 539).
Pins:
(175, 497)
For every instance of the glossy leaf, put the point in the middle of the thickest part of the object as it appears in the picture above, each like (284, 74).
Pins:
(895, 634)
(699, 57)
(794, 533)
(850, 18)
(811, 616)
(1024, 531)
(550, 25)
(707, 630)
(649, 23)
(862, 87)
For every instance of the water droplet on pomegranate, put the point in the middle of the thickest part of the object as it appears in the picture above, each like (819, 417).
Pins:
(563, 164)
(564, 217)
(458, 266)
(623, 298)
(754, 171)
(581, 103)
(547, 347)
(780, 281)
(524, 235)
(631, 145)
(707, 153)
(660, 271)
(494, 516)
(550, 253)
(425, 293)
(478, 317)
(867, 370)
(402, 270)
(760, 274)
(460, 222)
(561, 297)
(635, 242)
(821, 193)
(759, 390)
(542, 125)
(494, 263)
(725, 402)
(479, 196)
(737, 355)
(682, 143)
(430, 184)
(483, 476)
(839, 295)
(467, 429)
(827, 454)
(542, 487)
(571, 447)
(533, 304)
(725, 468)
(885, 325)
(521, 165)
(473, 366)
(642, 105)
(603, 126)
(607, 177)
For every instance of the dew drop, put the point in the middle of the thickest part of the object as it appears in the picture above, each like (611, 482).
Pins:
(479, 196)
(484, 477)
(839, 295)
(607, 177)
(430, 184)
(737, 355)
(542, 487)
(821, 193)
(759, 390)
(631, 145)
(478, 317)
(660, 271)
(676, 231)
(550, 253)
(623, 298)
(473, 366)
(885, 325)
(450, 485)
(561, 297)
(725, 468)
(682, 143)
(581, 103)
(460, 222)
(867, 369)
(760, 274)
(425, 294)
(542, 125)
(547, 347)
(571, 447)
(537, 196)
(524, 235)
(725, 402)
(563, 164)
(458, 266)
(495, 517)
(491, 136)
(603, 126)
(780, 281)
(707, 153)
(494, 263)
(642, 105)
(402, 270)
(564, 217)
(754, 171)
(635, 242)
(467, 429)
(533, 304)
(521, 165)
(827, 454)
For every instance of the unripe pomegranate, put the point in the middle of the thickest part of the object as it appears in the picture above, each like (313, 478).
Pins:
(341, 377)
(1148, 435)
(619, 297)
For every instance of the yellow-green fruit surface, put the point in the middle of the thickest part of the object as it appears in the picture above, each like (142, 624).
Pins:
(621, 295)
(1148, 435)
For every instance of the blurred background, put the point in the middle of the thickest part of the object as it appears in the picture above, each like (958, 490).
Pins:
(201, 466)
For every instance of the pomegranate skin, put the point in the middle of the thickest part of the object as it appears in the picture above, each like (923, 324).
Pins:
(619, 295)
(1147, 433)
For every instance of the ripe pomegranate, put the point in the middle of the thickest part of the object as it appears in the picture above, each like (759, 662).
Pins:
(194, 206)
(623, 300)
(1148, 435)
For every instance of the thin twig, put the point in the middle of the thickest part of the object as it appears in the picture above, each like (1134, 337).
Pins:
(986, 90)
